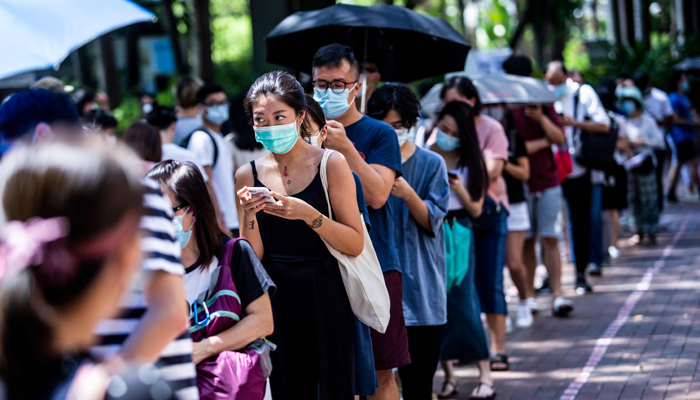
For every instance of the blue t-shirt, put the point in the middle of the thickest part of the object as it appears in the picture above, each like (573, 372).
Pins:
(377, 143)
(422, 253)
(681, 106)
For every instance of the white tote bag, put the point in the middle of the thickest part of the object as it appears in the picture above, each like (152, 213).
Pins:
(362, 275)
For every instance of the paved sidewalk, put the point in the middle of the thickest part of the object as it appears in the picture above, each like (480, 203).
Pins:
(655, 352)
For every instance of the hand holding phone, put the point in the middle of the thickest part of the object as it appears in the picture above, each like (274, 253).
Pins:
(265, 191)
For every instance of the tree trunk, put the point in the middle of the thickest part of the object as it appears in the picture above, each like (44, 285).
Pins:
(461, 6)
(389, 2)
(522, 24)
(594, 21)
(180, 64)
(110, 71)
(411, 4)
(132, 56)
(202, 19)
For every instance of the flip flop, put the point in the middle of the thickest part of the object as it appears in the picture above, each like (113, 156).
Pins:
(499, 359)
(453, 393)
(491, 397)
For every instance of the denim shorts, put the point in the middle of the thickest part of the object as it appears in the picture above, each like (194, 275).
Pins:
(490, 233)
(545, 213)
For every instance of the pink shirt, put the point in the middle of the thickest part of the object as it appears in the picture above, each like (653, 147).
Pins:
(494, 146)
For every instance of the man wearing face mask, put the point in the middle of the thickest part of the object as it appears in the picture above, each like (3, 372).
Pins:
(210, 147)
(372, 150)
(582, 110)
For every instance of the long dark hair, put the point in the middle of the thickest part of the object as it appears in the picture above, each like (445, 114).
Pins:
(280, 85)
(94, 188)
(469, 151)
(145, 140)
(465, 87)
(394, 96)
(314, 113)
(185, 180)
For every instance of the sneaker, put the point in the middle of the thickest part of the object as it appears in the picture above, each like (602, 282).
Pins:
(533, 305)
(509, 325)
(613, 252)
(595, 269)
(561, 307)
(523, 316)
(582, 287)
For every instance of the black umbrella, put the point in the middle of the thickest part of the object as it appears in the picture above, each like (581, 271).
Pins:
(405, 45)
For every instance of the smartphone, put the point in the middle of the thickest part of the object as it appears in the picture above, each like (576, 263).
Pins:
(452, 176)
(265, 191)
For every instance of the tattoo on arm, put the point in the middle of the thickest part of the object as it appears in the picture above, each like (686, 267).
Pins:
(251, 225)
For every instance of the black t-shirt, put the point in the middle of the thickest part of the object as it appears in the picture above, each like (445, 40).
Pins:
(249, 275)
(516, 149)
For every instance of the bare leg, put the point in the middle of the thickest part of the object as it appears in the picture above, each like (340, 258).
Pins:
(530, 261)
(448, 367)
(483, 391)
(514, 261)
(387, 389)
(693, 169)
(674, 173)
(497, 328)
(614, 216)
(552, 261)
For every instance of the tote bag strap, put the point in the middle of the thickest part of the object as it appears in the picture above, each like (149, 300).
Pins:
(324, 179)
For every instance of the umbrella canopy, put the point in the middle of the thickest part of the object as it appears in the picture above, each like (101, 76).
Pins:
(496, 89)
(405, 45)
(689, 64)
(39, 34)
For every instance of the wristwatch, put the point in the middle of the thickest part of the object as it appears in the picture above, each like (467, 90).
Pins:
(317, 222)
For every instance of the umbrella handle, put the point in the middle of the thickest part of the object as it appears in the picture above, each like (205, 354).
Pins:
(364, 74)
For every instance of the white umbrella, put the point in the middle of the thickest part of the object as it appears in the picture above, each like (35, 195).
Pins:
(39, 34)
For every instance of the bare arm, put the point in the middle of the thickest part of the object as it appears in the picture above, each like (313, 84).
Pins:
(519, 171)
(247, 211)
(165, 319)
(680, 121)
(472, 207)
(552, 132)
(256, 324)
(416, 206)
(536, 145)
(494, 166)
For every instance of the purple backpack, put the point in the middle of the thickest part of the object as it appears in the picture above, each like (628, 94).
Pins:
(239, 375)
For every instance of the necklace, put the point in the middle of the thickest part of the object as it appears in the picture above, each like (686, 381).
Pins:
(286, 171)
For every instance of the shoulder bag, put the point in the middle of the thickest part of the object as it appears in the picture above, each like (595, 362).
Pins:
(595, 151)
(362, 275)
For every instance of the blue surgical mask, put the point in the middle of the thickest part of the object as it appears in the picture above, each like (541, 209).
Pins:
(182, 237)
(559, 90)
(628, 107)
(278, 139)
(447, 142)
(217, 115)
(333, 104)
(686, 87)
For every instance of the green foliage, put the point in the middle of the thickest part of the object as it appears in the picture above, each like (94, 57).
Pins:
(128, 111)
(576, 54)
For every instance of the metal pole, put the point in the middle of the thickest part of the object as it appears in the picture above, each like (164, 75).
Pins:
(364, 73)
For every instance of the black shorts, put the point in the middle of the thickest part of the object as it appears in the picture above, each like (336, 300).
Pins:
(685, 151)
(615, 189)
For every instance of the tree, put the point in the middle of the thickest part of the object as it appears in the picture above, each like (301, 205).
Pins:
(202, 18)
(180, 63)
(110, 71)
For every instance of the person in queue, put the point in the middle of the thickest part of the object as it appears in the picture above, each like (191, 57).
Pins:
(419, 200)
(102, 123)
(463, 337)
(315, 131)
(206, 141)
(202, 244)
(685, 122)
(313, 318)
(241, 140)
(372, 75)
(164, 119)
(63, 268)
(541, 128)
(188, 110)
(371, 148)
(490, 228)
(578, 185)
(144, 139)
(643, 137)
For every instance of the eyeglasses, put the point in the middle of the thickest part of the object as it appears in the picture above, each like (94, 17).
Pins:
(337, 86)
(180, 207)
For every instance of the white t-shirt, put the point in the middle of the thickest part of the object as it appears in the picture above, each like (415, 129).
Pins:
(658, 105)
(645, 128)
(198, 281)
(222, 172)
(589, 105)
(172, 151)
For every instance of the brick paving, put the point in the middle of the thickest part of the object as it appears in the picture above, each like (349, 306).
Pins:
(654, 355)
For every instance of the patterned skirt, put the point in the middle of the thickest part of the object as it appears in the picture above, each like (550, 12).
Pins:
(642, 196)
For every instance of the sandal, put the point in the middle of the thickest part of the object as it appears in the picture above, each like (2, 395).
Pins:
(491, 397)
(501, 359)
(453, 393)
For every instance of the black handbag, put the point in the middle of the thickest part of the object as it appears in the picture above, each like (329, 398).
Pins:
(592, 150)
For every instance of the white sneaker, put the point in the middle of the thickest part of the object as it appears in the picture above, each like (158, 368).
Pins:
(533, 304)
(523, 316)
(614, 252)
(509, 325)
(562, 306)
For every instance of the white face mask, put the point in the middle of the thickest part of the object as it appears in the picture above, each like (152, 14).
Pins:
(313, 140)
(402, 134)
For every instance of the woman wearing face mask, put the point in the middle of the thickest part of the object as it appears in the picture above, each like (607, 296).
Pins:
(463, 337)
(643, 137)
(490, 229)
(420, 199)
(685, 122)
(63, 268)
(204, 248)
(313, 319)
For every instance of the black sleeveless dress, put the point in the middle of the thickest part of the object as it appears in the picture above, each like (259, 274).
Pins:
(313, 319)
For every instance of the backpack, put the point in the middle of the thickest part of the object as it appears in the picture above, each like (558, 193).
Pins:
(595, 151)
(186, 142)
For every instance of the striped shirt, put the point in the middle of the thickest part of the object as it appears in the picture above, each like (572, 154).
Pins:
(160, 253)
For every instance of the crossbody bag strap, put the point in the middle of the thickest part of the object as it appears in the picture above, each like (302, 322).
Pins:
(324, 179)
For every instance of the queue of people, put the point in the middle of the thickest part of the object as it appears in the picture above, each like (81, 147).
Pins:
(239, 294)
